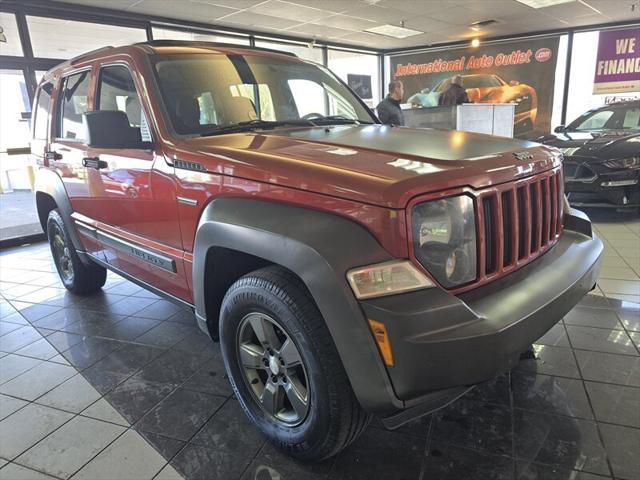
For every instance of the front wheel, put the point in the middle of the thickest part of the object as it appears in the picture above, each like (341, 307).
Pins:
(76, 276)
(285, 369)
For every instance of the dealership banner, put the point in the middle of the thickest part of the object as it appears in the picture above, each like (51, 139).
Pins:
(521, 72)
(618, 61)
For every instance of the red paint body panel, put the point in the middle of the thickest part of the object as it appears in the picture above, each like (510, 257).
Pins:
(372, 175)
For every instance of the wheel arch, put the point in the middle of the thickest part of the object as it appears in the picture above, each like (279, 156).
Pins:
(319, 248)
(50, 194)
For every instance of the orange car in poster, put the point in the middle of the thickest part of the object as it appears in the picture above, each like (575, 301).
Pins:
(489, 88)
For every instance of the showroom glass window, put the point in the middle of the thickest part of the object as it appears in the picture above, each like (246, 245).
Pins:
(160, 33)
(10, 44)
(73, 103)
(306, 52)
(344, 63)
(208, 90)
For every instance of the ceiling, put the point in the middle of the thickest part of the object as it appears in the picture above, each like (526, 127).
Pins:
(344, 21)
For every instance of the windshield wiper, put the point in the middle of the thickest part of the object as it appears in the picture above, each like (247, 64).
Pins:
(338, 120)
(255, 125)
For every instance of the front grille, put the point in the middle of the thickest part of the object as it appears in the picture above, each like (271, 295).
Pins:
(518, 222)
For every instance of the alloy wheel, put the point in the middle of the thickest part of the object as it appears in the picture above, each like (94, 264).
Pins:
(61, 254)
(273, 369)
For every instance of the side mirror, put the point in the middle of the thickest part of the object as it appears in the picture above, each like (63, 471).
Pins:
(514, 83)
(111, 129)
(559, 129)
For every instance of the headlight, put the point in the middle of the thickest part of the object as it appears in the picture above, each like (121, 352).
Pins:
(632, 163)
(444, 239)
(386, 278)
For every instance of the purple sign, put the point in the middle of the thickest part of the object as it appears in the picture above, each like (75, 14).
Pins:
(618, 62)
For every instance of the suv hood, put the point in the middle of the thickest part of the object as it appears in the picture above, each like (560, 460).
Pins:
(375, 164)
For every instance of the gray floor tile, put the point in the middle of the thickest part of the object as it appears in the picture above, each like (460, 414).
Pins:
(103, 410)
(6, 327)
(566, 442)
(129, 457)
(559, 395)
(74, 395)
(18, 472)
(601, 340)
(556, 336)
(27, 426)
(41, 349)
(551, 360)
(615, 403)
(70, 447)
(8, 405)
(13, 365)
(622, 444)
(135, 397)
(609, 367)
(592, 317)
(271, 463)
(181, 414)
(88, 351)
(168, 473)
(129, 359)
(19, 338)
(37, 381)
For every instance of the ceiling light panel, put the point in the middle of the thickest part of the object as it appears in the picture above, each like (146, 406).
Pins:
(393, 31)
(543, 3)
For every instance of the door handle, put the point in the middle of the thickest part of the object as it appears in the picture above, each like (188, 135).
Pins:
(94, 162)
(51, 155)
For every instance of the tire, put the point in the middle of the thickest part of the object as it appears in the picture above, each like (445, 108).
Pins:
(273, 300)
(76, 276)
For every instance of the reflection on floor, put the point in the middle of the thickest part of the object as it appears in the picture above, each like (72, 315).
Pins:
(123, 385)
(19, 215)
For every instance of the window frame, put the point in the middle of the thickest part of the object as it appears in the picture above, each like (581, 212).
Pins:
(36, 101)
(62, 85)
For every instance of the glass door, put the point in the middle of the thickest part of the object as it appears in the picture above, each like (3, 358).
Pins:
(18, 216)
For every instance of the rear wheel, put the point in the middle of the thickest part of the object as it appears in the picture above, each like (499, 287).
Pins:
(284, 367)
(76, 276)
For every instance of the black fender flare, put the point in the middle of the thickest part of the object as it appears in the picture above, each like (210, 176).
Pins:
(319, 248)
(49, 182)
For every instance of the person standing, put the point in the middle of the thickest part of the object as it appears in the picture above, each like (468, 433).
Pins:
(389, 110)
(454, 94)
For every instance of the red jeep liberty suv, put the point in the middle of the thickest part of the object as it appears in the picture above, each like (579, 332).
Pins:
(346, 267)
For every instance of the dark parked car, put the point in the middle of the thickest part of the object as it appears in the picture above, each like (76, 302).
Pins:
(345, 267)
(602, 156)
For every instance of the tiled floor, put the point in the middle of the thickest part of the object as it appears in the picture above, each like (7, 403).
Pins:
(122, 385)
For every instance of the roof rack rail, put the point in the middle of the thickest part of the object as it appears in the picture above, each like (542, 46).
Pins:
(198, 43)
(75, 60)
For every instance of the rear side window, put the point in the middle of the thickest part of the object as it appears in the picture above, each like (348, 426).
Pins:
(41, 121)
(75, 94)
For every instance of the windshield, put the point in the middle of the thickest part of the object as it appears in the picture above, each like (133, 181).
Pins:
(608, 119)
(205, 92)
(480, 81)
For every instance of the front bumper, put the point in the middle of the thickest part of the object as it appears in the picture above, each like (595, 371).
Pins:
(591, 184)
(442, 343)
